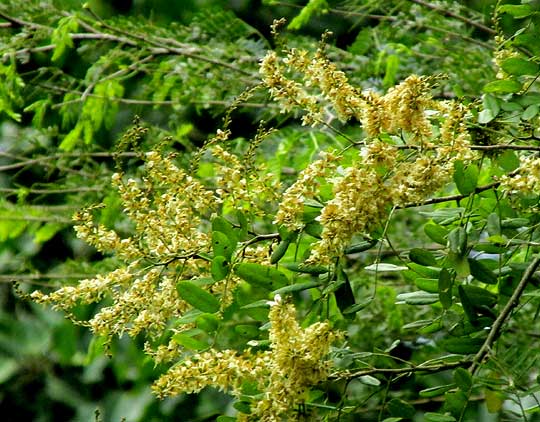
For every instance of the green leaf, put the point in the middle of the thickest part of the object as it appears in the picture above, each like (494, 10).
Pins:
(457, 241)
(60, 36)
(222, 245)
(383, 267)
(306, 269)
(491, 104)
(298, 287)
(417, 324)
(438, 417)
(462, 345)
(313, 7)
(197, 297)
(530, 112)
(261, 275)
(479, 296)
(467, 306)
(243, 407)
(515, 223)
(189, 342)
(485, 116)
(436, 232)
(314, 229)
(369, 380)
(463, 379)
(8, 368)
(455, 402)
(423, 271)
(39, 108)
(417, 298)
(446, 282)
(362, 42)
(503, 86)
(71, 139)
(482, 272)
(491, 109)
(493, 224)
(219, 268)
(436, 391)
(518, 67)
(263, 303)
(280, 250)
(430, 285)
(243, 222)
(223, 418)
(518, 11)
(207, 322)
(400, 408)
(96, 348)
(246, 330)
(422, 257)
(221, 224)
(361, 247)
(46, 232)
(391, 69)
(494, 400)
(508, 160)
(357, 306)
(466, 178)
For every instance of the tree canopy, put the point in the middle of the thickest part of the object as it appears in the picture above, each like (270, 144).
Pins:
(322, 210)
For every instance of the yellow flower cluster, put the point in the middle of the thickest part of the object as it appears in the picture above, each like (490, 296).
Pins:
(359, 206)
(284, 374)
(306, 187)
(254, 189)
(526, 179)
(291, 94)
(402, 108)
(167, 207)
(422, 140)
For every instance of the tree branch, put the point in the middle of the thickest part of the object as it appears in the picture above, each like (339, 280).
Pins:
(54, 157)
(399, 371)
(463, 19)
(505, 313)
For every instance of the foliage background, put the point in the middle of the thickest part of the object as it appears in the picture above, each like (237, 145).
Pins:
(65, 111)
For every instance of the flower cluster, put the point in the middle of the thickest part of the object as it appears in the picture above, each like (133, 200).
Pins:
(167, 207)
(358, 206)
(402, 108)
(284, 374)
(306, 187)
(291, 94)
(422, 140)
(526, 179)
(253, 189)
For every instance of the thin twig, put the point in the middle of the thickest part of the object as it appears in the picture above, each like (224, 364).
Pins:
(451, 14)
(54, 157)
(35, 278)
(398, 371)
(50, 191)
(495, 147)
(168, 49)
(458, 197)
(58, 220)
(505, 313)
(19, 22)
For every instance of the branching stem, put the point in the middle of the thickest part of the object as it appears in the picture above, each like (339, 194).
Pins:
(505, 313)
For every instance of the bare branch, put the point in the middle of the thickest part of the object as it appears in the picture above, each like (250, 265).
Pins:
(451, 14)
(505, 313)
